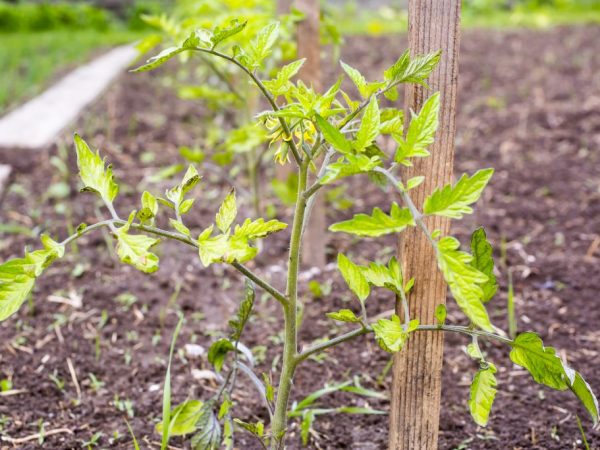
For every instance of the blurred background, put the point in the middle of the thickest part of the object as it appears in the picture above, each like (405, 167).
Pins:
(41, 40)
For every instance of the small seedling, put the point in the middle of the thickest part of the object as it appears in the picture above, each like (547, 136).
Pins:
(95, 383)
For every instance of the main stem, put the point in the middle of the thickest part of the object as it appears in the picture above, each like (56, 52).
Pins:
(290, 346)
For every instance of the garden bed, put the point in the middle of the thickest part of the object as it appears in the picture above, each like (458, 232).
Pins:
(528, 106)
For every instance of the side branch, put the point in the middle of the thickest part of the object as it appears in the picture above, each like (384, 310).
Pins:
(365, 330)
(415, 213)
(276, 294)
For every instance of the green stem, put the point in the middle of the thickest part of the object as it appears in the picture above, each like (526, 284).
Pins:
(290, 347)
(365, 330)
(414, 212)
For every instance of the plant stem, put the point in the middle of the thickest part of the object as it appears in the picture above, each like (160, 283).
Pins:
(279, 296)
(365, 330)
(290, 347)
(414, 212)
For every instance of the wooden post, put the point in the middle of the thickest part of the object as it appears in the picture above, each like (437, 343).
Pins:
(416, 387)
(283, 7)
(309, 47)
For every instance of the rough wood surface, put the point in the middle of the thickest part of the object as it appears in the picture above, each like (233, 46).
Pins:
(416, 389)
(284, 6)
(309, 47)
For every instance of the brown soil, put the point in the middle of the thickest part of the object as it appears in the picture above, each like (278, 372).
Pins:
(529, 106)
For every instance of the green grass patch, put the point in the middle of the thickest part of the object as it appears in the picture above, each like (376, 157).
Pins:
(389, 21)
(31, 61)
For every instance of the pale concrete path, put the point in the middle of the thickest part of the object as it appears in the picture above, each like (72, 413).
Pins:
(4, 178)
(38, 122)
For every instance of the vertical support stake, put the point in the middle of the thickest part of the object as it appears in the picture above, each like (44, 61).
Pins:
(416, 386)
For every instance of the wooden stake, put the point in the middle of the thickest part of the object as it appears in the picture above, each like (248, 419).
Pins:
(283, 7)
(309, 47)
(416, 388)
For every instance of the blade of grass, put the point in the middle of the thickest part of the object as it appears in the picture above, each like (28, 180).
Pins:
(136, 446)
(167, 391)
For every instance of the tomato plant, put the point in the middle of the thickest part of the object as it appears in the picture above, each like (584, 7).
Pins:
(328, 137)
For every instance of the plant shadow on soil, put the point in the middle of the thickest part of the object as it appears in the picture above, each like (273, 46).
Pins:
(529, 105)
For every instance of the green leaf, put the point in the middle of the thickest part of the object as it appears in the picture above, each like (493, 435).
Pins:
(257, 429)
(541, 362)
(281, 83)
(357, 78)
(262, 44)
(258, 228)
(391, 335)
(211, 249)
(550, 370)
(421, 132)
(584, 393)
(392, 121)
(186, 205)
(180, 227)
(190, 43)
(440, 314)
(344, 315)
(184, 418)
(350, 165)
(54, 249)
(177, 194)
(149, 207)
(220, 34)
(208, 436)
(483, 261)
(377, 224)
(218, 351)
(453, 201)
(354, 277)
(414, 182)
(134, 249)
(369, 126)
(464, 281)
(239, 250)
(333, 136)
(160, 59)
(483, 391)
(190, 180)
(17, 276)
(243, 314)
(227, 213)
(96, 178)
(405, 70)
(389, 277)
